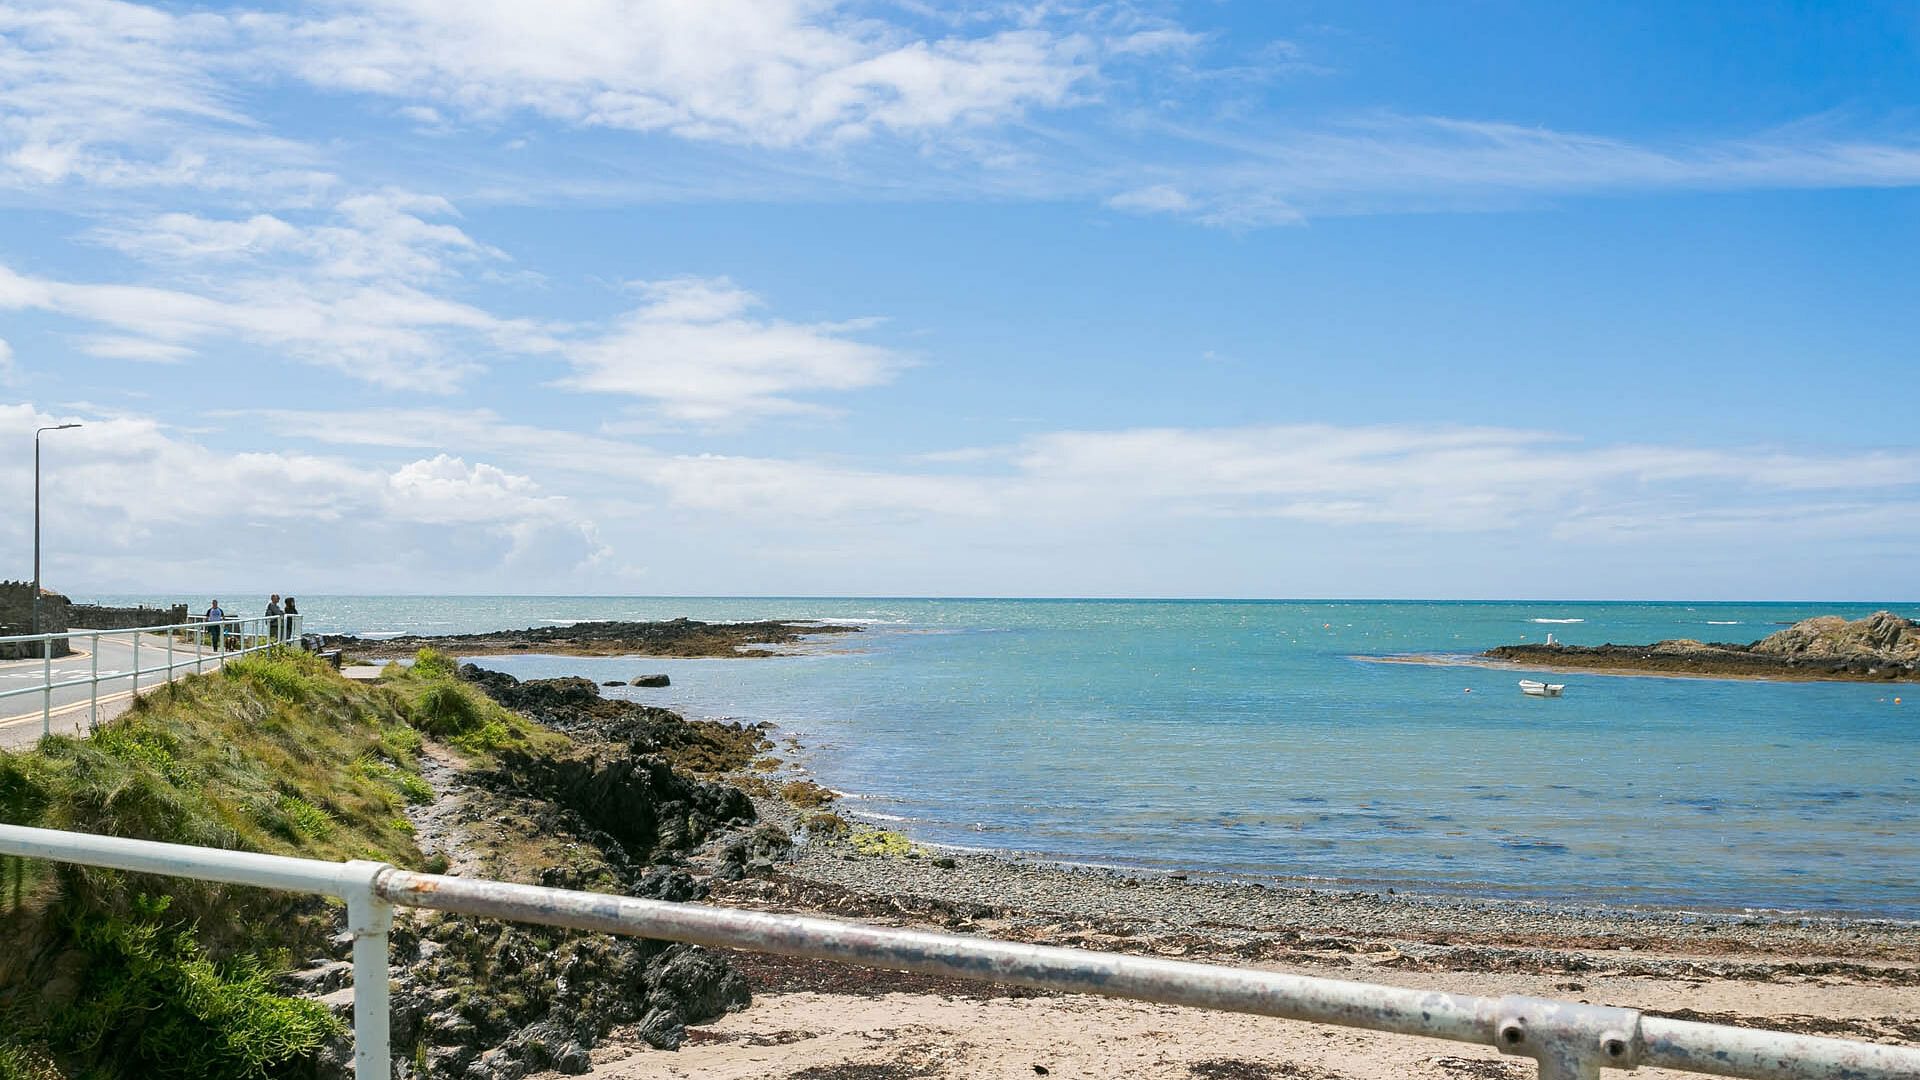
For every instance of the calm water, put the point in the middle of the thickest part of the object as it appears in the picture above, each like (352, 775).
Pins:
(1241, 738)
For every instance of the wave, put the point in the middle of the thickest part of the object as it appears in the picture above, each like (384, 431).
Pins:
(858, 622)
(381, 635)
(1556, 621)
(1723, 622)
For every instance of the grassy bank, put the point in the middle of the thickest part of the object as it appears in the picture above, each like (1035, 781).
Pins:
(106, 974)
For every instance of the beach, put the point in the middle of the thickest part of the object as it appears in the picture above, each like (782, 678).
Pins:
(1856, 978)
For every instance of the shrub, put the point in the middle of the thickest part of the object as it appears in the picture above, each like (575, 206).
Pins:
(155, 1005)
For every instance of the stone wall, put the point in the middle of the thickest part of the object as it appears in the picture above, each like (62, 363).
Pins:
(97, 617)
(16, 617)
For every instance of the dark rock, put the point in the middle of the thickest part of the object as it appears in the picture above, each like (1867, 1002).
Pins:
(756, 853)
(613, 682)
(667, 883)
(642, 803)
(651, 680)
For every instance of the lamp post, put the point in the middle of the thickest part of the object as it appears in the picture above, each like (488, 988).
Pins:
(36, 518)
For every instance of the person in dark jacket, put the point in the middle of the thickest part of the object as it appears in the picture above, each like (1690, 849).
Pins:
(274, 621)
(287, 609)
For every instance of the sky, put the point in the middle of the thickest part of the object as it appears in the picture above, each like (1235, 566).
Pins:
(997, 298)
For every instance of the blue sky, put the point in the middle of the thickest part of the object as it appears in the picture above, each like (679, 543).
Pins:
(999, 298)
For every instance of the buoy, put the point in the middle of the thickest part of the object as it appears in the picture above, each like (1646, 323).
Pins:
(1468, 690)
(1896, 701)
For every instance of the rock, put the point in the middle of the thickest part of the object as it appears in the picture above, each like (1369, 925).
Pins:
(613, 682)
(573, 1060)
(945, 863)
(651, 680)
(317, 978)
(687, 984)
(668, 883)
(1882, 636)
(756, 853)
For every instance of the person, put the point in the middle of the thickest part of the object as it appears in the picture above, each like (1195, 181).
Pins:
(214, 618)
(273, 617)
(287, 609)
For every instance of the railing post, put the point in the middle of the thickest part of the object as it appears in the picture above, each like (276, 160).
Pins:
(169, 656)
(369, 917)
(46, 684)
(136, 664)
(1570, 1041)
(93, 687)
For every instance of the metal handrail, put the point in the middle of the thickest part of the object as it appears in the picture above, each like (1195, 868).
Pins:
(1569, 1040)
(226, 638)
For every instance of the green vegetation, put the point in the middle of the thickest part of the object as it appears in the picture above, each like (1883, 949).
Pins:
(105, 974)
(883, 843)
(460, 715)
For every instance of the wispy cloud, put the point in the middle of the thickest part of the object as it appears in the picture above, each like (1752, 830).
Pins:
(122, 95)
(771, 72)
(697, 350)
(1389, 163)
(1422, 478)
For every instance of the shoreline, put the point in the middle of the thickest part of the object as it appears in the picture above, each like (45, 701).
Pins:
(1623, 671)
(792, 853)
(1434, 905)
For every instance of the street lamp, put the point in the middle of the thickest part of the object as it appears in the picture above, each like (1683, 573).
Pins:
(36, 518)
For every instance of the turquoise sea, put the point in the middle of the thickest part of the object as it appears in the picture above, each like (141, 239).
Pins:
(1241, 738)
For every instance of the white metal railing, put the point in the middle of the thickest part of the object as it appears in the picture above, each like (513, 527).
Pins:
(1569, 1041)
(206, 644)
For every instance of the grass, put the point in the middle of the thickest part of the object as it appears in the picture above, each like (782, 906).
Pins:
(105, 974)
(460, 715)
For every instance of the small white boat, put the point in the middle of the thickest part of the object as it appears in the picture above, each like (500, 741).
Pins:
(1541, 689)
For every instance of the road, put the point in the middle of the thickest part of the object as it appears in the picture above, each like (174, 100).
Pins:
(73, 706)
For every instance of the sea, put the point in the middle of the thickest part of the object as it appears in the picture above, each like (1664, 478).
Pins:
(1246, 740)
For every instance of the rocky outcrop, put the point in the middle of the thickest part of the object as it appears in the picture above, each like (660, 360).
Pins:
(642, 803)
(616, 811)
(496, 1001)
(1882, 647)
(675, 637)
(651, 680)
(574, 706)
(1881, 637)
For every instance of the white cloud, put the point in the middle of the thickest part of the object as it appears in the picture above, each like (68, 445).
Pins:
(774, 72)
(208, 517)
(389, 235)
(123, 95)
(8, 373)
(139, 350)
(353, 291)
(387, 333)
(697, 350)
(1426, 478)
